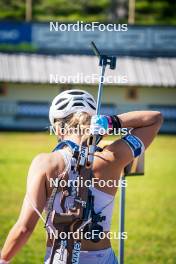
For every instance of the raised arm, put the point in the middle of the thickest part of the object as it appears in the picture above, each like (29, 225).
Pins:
(138, 119)
(146, 125)
(21, 231)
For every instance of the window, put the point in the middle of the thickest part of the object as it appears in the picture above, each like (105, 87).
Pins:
(132, 93)
(3, 89)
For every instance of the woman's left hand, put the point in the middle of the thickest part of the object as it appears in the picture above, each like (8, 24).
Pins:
(99, 124)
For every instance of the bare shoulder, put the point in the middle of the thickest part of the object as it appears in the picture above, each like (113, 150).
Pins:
(42, 163)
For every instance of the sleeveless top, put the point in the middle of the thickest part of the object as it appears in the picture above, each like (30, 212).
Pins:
(103, 202)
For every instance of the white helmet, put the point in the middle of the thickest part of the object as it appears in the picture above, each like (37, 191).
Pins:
(71, 101)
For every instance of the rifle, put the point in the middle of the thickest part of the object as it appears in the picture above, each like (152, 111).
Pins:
(82, 216)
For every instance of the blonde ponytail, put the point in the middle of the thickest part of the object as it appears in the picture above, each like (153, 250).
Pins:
(77, 123)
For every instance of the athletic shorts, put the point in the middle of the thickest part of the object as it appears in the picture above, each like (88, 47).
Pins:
(105, 256)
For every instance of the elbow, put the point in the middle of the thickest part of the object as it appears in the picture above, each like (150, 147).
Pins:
(24, 230)
(159, 118)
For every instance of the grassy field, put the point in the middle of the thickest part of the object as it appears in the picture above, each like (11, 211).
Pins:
(150, 209)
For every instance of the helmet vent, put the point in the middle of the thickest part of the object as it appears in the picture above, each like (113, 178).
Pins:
(78, 98)
(78, 104)
(91, 99)
(76, 93)
(61, 100)
(91, 106)
(62, 107)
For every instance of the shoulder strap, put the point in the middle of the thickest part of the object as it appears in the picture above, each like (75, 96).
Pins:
(72, 145)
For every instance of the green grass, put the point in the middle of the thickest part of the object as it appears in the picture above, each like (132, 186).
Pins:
(150, 208)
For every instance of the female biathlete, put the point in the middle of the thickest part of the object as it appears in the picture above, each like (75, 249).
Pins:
(68, 110)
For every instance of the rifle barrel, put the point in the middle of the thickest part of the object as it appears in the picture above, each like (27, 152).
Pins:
(95, 50)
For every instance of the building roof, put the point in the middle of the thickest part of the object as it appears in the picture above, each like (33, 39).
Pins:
(33, 68)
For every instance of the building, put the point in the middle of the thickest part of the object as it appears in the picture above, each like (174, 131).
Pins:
(145, 77)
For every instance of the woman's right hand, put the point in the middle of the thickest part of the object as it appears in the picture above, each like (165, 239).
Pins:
(3, 261)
